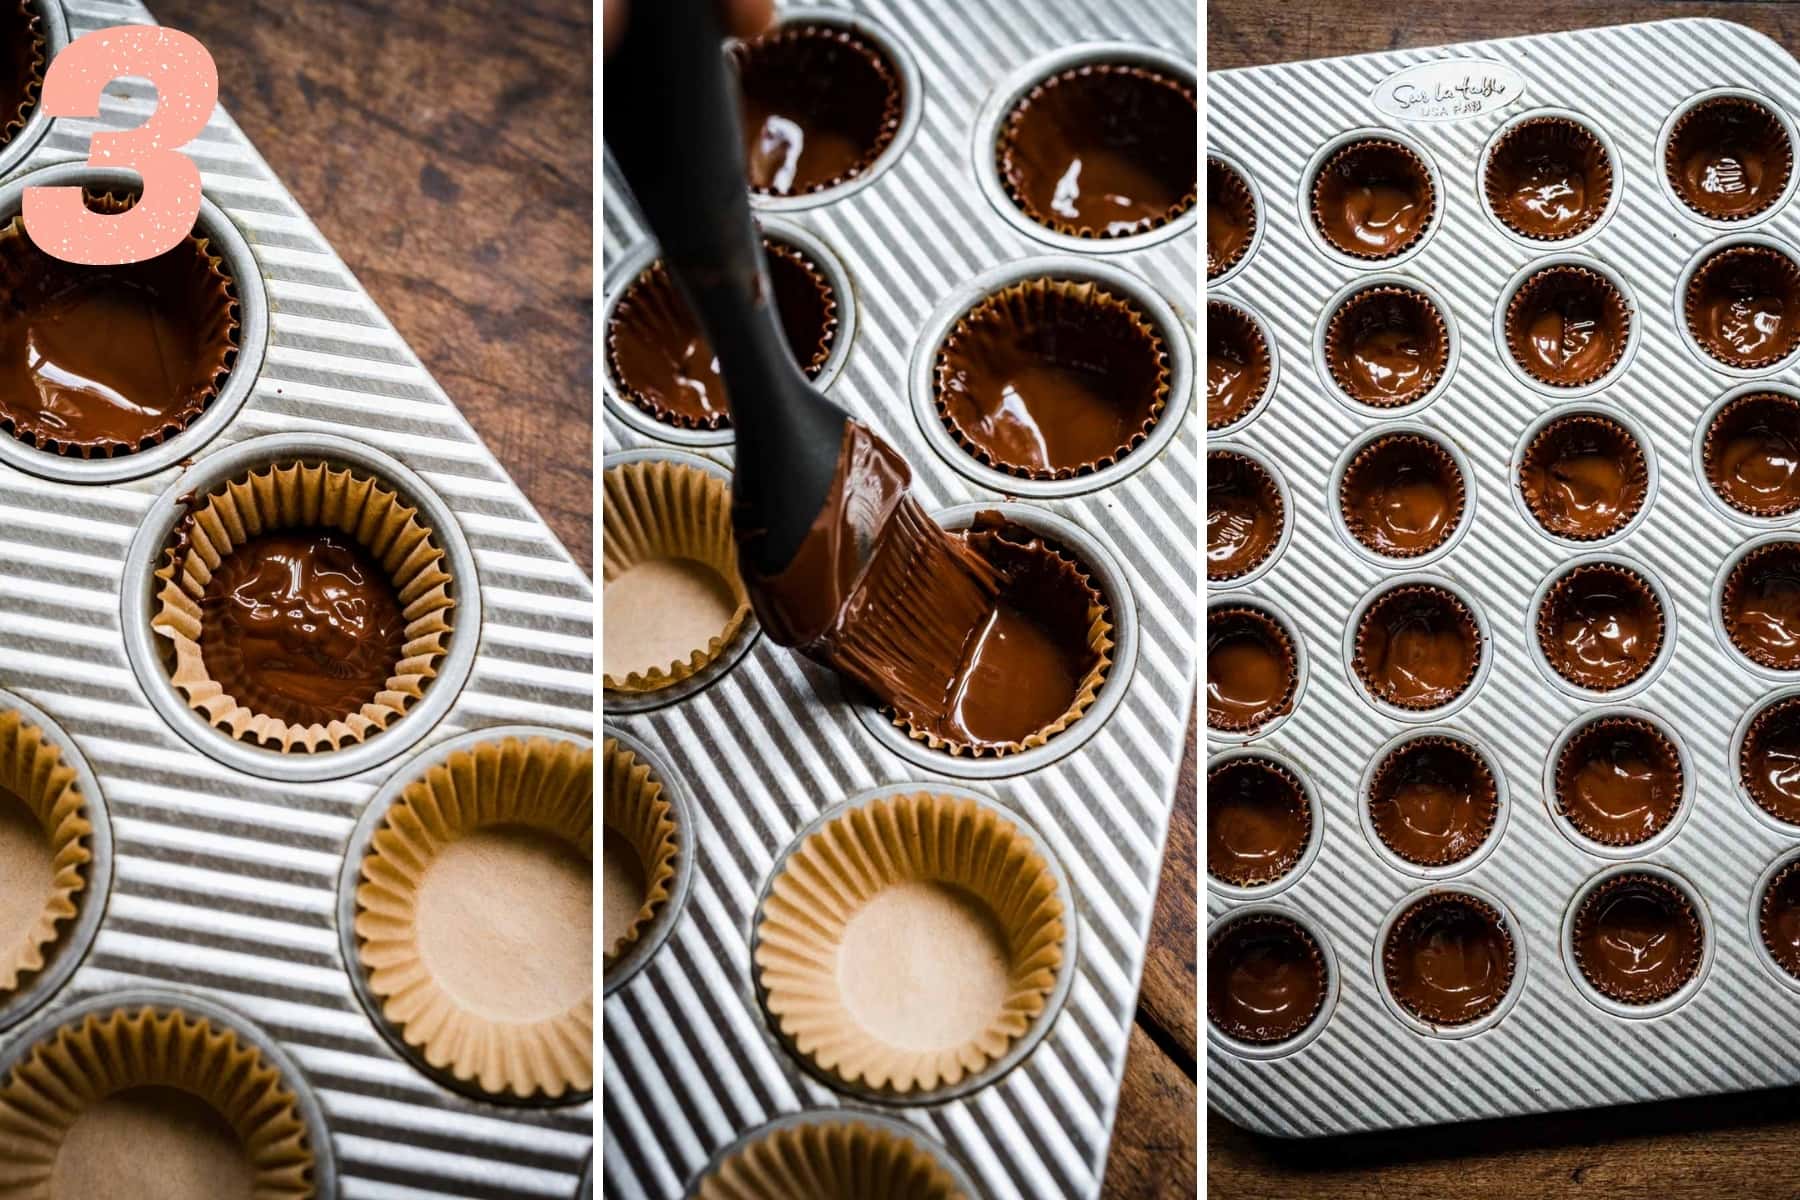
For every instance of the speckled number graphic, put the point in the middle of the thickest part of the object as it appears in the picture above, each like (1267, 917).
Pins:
(187, 90)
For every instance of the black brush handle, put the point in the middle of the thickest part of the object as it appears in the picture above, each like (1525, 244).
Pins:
(674, 129)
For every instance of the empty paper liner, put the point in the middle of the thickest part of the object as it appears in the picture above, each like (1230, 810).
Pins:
(24, 56)
(1037, 666)
(1618, 781)
(474, 916)
(1402, 495)
(829, 1160)
(639, 846)
(1584, 477)
(153, 1103)
(1230, 217)
(1548, 178)
(1373, 199)
(1433, 800)
(1728, 158)
(1387, 346)
(1103, 150)
(907, 943)
(44, 848)
(1238, 364)
(1051, 378)
(1742, 306)
(819, 105)
(102, 361)
(1567, 326)
(662, 362)
(303, 606)
(1760, 605)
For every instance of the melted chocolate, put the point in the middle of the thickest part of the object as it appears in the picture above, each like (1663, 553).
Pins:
(1386, 346)
(1237, 364)
(1762, 605)
(1102, 150)
(1600, 626)
(1637, 938)
(1244, 515)
(1433, 801)
(1373, 199)
(1051, 379)
(1769, 761)
(1779, 919)
(1728, 158)
(1584, 476)
(1752, 454)
(1251, 671)
(1449, 959)
(1230, 217)
(301, 625)
(1402, 496)
(660, 357)
(1567, 326)
(1417, 647)
(1743, 306)
(1265, 979)
(22, 61)
(1257, 822)
(1549, 178)
(1618, 781)
(819, 105)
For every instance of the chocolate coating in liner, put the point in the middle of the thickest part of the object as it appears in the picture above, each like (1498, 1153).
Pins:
(1567, 326)
(1584, 476)
(1728, 157)
(1769, 759)
(1433, 800)
(1251, 671)
(1402, 496)
(1417, 647)
(1637, 938)
(819, 105)
(1244, 515)
(1230, 217)
(1600, 626)
(23, 55)
(1373, 199)
(1258, 823)
(1751, 454)
(1778, 918)
(1449, 959)
(1548, 178)
(1761, 605)
(1237, 364)
(1618, 781)
(1387, 346)
(1742, 306)
(1265, 979)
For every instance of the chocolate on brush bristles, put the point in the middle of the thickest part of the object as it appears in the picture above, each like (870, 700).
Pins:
(1618, 781)
(1742, 306)
(1251, 669)
(1258, 823)
(1387, 346)
(1402, 495)
(1417, 647)
(1244, 515)
(1584, 477)
(1433, 800)
(1751, 454)
(1449, 958)
(1230, 217)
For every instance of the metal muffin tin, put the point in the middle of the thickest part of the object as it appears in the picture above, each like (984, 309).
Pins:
(225, 882)
(691, 1063)
(1737, 1028)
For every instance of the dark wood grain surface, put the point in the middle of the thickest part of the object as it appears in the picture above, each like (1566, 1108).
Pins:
(1739, 1146)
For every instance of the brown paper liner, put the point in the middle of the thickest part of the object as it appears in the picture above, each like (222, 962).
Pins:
(1724, 272)
(1382, 158)
(82, 1064)
(1218, 621)
(1285, 791)
(1571, 142)
(1551, 284)
(31, 768)
(536, 784)
(666, 510)
(829, 1160)
(1572, 756)
(1704, 122)
(808, 64)
(1675, 902)
(1233, 335)
(1228, 472)
(1782, 894)
(1771, 408)
(209, 290)
(1481, 780)
(1782, 561)
(1778, 722)
(1396, 942)
(27, 56)
(1374, 466)
(1549, 615)
(1449, 605)
(1013, 547)
(1226, 941)
(304, 494)
(846, 863)
(1597, 431)
(1386, 306)
(1228, 192)
(1053, 321)
(636, 809)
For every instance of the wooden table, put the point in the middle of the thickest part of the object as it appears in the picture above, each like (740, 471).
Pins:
(1738, 1146)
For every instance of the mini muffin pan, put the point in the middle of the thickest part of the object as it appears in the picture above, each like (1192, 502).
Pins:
(224, 857)
(1559, 1043)
(770, 741)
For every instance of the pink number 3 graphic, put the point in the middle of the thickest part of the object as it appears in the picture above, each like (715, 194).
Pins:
(187, 90)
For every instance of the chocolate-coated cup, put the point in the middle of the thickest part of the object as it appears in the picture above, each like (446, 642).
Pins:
(1567, 326)
(1258, 823)
(1742, 306)
(1373, 199)
(819, 105)
(1239, 361)
(1402, 495)
(1728, 158)
(1265, 979)
(1751, 454)
(1230, 217)
(1449, 958)
(1769, 760)
(1637, 938)
(1251, 669)
(24, 56)
(1244, 515)
(1778, 919)
(1618, 781)
(1387, 346)
(1433, 800)
(1600, 626)
(1103, 150)
(1417, 647)
(1584, 477)
(1760, 605)
(1548, 178)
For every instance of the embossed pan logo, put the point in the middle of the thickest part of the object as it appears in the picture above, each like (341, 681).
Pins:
(1449, 89)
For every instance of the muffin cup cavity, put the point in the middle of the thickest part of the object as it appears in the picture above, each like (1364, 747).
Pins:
(834, 1154)
(42, 802)
(1601, 626)
(1387, 346)
(1584, 476)
(1373, 199)
(642, 820)
(1231, 217)
(23, 61)
(1567, 326)
(1768, 759)
(1548, 178)
(1728, 157)
(1260, 821)
(1750, 453)
(1759, 604)
(1270, 982)
(1619, 781)
(1252, 668)
(1433, 800)
(1418, 647)
(1778, 918)
(1449, 958)
(1246, 514)
(1741, 306)
(1402, 495)
(1239, 364)
(1637, 940)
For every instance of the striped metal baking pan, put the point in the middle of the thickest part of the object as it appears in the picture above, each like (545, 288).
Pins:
(1555, 1048)
(225, 883)
(690, 1062)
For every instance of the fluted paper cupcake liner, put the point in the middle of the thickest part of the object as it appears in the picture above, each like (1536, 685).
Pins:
(1711, 451)
(1675, 902)
(1571, 759)
(1635, 472)
(1780, 718)
(1777, 554)
(1786, 880)
(535, 784)
(1365, 470)
(22, 35)
(1549, 284)
(636, 809)
(1761, 266)
(1549, 611)
(1138, 370)
(829, 1160)
(1691, 127)
(1242, 469)
(303, 495)
(1388, 306)
(32, 769)
(918, 838)
(1422, 909)
(84, 1063)
(1231, 330)
(804, 51)
(671, 511)
(1230, 192)
(1345, 161)
(1486, 796)
(1266, 923)
(1292, 793)
(1577, 146)
(1452, 606)
(1277, 637)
